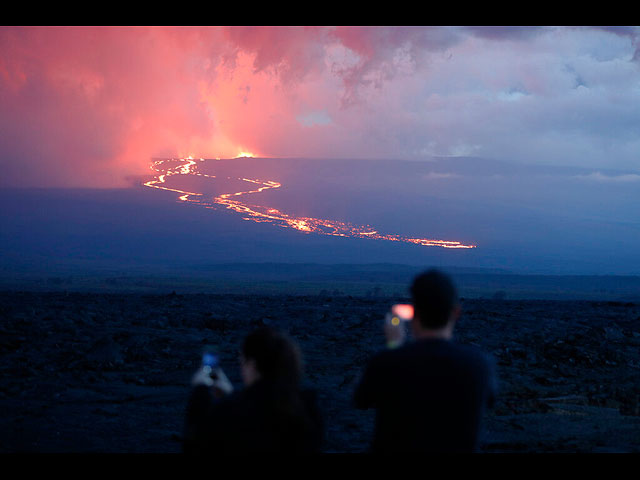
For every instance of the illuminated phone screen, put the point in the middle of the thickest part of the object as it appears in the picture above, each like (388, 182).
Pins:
(404, 311)
(210, 360)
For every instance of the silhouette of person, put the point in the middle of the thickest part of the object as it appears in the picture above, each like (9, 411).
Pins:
(272, 413)
(429, 394)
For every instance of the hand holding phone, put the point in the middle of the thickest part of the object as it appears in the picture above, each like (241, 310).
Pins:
(211, 375)
(394, 326)
(210, 363)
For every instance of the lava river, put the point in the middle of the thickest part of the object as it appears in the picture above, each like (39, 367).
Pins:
(236, 202)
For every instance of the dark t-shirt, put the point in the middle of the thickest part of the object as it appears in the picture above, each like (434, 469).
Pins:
(429, 395)
(250, 421)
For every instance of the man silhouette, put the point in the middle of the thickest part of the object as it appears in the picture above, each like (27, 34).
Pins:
(429, 394)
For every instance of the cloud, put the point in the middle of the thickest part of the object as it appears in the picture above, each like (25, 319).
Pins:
(439, 176)
(502, 33)
(90, 106)
(314, 118)
(599, 177)
(85, 106)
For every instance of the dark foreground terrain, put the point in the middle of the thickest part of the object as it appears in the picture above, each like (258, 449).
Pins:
(87, 372)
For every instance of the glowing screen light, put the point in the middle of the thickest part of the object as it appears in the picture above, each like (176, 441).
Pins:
(402, 311)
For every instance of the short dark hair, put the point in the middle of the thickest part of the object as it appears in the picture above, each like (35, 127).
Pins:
(434, 298)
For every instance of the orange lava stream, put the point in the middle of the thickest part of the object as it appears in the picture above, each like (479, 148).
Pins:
(257, 213)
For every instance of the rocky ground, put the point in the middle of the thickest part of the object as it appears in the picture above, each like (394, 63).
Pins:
(110, 372)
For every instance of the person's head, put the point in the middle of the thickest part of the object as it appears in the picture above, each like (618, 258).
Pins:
(271, 355)
(435, 302)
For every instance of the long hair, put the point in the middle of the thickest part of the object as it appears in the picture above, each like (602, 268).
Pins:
(277, 357)
(279, 362)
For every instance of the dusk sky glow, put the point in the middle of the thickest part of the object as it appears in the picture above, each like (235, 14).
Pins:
(89, 107)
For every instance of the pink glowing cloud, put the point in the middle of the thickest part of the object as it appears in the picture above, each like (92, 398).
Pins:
(91, 106)
(83, 106)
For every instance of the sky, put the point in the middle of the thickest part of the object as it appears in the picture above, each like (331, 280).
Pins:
(89, 107)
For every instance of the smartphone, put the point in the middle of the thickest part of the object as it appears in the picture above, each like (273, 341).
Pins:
(210, 361)
(401, 311)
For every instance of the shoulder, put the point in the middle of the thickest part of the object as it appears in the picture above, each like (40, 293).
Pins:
(457, 355)
(384, 359)
(470, 351)
(475, 360)
(389, 357)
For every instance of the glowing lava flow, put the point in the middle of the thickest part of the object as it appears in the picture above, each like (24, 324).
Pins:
(180, 170)
(256, 213)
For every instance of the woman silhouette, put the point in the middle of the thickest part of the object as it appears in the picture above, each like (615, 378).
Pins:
(271, 414)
